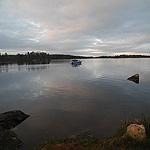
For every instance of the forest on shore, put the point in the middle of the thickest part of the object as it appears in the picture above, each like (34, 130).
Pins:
(45, 58)
(34, 58)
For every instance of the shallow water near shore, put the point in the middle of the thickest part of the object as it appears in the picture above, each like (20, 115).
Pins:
(63, 100)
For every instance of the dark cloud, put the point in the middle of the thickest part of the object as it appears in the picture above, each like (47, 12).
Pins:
(81, 27)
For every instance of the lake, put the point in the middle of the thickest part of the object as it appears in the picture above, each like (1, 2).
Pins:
(63, 100)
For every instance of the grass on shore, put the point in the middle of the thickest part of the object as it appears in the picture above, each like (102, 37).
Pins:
(117, 142)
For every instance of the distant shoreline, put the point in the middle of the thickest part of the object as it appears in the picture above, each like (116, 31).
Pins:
(45, 58)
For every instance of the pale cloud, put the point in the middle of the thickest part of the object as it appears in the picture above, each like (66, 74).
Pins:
(75, 27)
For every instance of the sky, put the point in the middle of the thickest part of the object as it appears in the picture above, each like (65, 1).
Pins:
(75, 27)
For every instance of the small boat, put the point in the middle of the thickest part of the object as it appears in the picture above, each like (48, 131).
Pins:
(75, 62)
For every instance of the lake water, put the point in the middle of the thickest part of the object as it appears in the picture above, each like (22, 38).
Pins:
(63, 100)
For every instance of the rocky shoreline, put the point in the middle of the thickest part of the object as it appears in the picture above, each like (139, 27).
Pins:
(8, 121)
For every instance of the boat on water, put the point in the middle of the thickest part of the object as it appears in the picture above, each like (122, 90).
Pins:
(75, 62)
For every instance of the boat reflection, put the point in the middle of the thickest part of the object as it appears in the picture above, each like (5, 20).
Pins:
(76, 65)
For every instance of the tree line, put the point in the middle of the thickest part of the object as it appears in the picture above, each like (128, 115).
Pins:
(125, 56)
(33, 58)
(45, 58)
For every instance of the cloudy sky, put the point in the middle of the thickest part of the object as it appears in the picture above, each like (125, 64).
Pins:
(77, 27)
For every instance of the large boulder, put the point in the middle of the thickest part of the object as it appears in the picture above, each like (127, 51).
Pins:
(136, 131)
(9, 140)
(9, 120)
(134, 78)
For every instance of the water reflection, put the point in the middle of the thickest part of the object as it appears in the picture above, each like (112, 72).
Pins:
(18, 68)
(62, 100)
(75, 65)
(4, 69)
(37, 68)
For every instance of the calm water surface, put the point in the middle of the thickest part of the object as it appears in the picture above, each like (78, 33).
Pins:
(63, 100)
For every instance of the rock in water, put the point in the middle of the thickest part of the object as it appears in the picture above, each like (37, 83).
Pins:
(134, 78)
(9, 120)
(9, 141)
(136, 131)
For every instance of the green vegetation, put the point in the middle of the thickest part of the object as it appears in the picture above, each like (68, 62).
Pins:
(117, 142)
